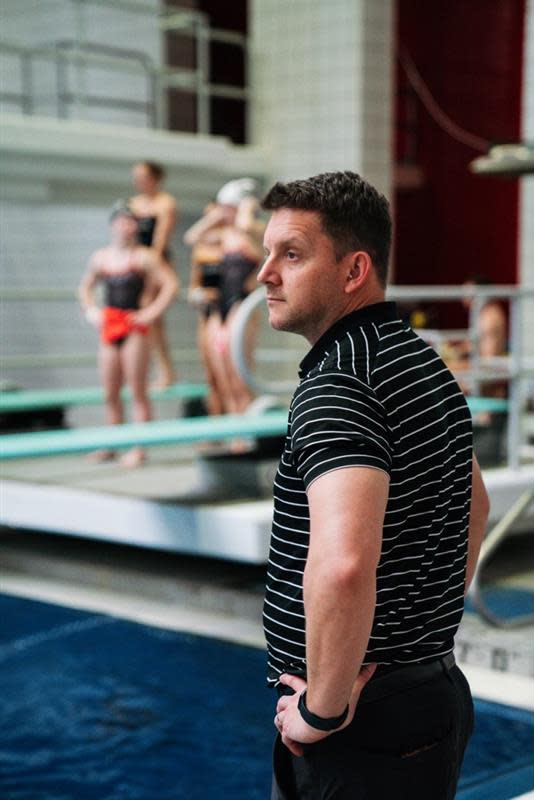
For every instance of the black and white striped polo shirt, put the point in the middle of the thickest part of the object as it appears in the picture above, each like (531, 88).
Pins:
(373, 394)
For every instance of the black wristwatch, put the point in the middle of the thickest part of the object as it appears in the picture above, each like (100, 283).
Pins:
(321, 723)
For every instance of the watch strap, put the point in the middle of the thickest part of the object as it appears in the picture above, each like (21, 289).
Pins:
(321, 723)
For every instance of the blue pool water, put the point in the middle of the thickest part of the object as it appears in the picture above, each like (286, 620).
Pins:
(99, 708)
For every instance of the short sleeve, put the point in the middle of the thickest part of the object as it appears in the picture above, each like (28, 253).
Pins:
(337, 422)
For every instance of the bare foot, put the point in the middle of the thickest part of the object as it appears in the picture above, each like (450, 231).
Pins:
(241, 446)
(206, 445)
(165, 380)
(133, 458)
(101, 456)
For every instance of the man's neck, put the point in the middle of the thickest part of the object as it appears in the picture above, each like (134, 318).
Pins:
(370, 298)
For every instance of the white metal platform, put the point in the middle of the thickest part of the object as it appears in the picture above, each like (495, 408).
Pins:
(171, 504)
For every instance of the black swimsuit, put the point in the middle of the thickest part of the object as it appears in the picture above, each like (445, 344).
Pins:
(210, 278)
(124, 290)
(235, 271)
(145, 233)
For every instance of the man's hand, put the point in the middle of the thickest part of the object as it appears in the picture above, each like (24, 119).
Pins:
(293, 730)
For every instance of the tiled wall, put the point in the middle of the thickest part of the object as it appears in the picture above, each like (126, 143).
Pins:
(38, 23)
(47, 246)
(321, 79)
(526, 241)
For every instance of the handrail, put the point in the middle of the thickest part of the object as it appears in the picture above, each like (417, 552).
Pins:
(132, 6)
(108, 49)
(516, 369)
(455, 292)
(183, 355)
(159, 78)
(491, 543)
(50, 52)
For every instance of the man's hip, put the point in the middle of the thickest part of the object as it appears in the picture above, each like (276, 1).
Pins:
(407, 740)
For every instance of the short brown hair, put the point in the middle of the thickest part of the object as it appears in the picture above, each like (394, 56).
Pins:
(353, 213)
(156, 170)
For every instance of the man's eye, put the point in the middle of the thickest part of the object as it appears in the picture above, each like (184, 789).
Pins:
(291, 255)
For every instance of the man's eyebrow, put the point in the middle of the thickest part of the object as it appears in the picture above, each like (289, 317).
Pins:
(291, 241)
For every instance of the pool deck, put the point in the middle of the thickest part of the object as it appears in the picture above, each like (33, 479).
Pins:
(224, 599)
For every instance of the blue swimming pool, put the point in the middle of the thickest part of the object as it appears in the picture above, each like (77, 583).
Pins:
(98, 708)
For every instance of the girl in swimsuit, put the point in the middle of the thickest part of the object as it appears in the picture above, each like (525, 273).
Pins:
(138, 287)
(203, 293)
(234, 217)
(157, 214)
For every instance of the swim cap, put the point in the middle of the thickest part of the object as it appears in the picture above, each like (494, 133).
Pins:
(234, 191)
(120, 208)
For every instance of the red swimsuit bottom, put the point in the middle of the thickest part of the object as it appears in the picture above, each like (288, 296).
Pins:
(117, 324)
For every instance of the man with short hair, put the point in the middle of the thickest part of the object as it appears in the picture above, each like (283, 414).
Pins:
(379, 514)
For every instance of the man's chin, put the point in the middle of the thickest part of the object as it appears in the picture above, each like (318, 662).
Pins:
(281, 324)
(276, 322)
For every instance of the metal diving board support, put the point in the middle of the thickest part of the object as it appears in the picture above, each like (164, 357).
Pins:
(490, 544)
(32, 400)
(161, 432)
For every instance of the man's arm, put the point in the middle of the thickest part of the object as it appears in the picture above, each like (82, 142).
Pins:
(478, 518)
(347, 509)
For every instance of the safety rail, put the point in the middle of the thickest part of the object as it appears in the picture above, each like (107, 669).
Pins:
(490, 545)
(517, 367)
(84, 54)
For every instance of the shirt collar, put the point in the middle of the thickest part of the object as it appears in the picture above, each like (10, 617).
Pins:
(377, 312)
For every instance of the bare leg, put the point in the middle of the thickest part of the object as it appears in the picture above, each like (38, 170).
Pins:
(214, 401)
(159, 341)
(111, 376)
(135, 361)
(217, 345)
(243, 395)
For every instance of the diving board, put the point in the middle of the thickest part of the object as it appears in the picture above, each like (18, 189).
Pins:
(31, 400)
(176, 431)
(492, 405)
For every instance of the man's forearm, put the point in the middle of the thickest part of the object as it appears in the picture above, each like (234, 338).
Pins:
(478, 519)
(339, 601)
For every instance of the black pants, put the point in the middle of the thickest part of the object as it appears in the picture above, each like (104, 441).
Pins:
(407, 746)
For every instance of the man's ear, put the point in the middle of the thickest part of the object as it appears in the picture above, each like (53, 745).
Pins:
(358, 267)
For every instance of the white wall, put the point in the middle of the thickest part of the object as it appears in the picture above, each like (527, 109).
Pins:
(46, 246)
(322, 86)
(59, 179)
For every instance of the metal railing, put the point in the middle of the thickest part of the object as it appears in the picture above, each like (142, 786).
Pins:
(493, 540)
(511, 369)
(82, 55)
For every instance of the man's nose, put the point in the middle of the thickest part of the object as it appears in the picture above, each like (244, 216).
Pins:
(267, 273)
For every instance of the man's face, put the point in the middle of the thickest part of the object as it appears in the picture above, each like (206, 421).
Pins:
(305, 283)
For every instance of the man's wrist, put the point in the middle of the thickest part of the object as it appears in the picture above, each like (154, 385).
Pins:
(318, 722)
